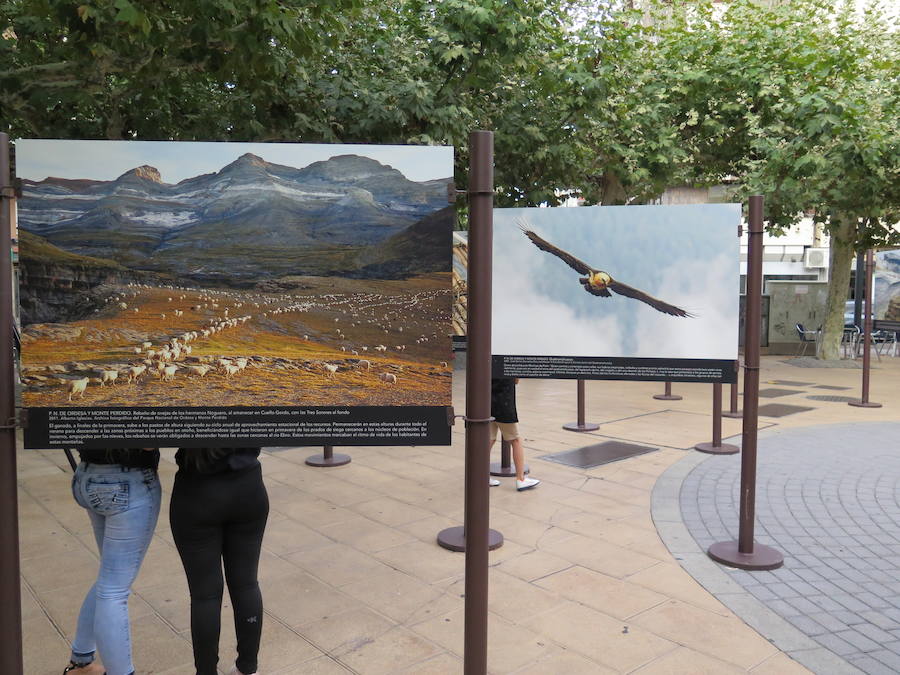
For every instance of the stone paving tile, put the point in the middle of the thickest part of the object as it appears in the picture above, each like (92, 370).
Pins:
(336, 536)
(871, 666)
(600, 637)
(835, 522)
(889, 658)
(837, 645)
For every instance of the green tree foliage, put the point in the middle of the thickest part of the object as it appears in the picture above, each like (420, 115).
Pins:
(823, 129)
(211, 69)
(402, 71)
(795, 100)
(430, 72)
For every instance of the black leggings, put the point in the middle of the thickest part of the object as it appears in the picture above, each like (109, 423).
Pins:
(216, 519)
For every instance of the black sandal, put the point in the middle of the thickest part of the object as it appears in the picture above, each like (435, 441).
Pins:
(75, 666)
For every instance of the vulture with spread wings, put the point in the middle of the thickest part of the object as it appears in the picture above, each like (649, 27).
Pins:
(598, 282)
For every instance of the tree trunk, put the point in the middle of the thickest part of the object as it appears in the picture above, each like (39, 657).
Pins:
(612, 192)
(114, 125)
(818, 239)
(843, 241)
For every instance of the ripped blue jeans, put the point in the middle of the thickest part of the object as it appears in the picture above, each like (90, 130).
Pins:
(123, 505)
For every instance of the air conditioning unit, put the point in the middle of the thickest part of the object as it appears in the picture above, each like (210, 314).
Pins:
(815, 258)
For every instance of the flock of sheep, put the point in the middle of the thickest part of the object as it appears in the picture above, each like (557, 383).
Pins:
(411, 318)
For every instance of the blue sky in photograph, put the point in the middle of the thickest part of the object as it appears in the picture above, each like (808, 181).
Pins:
(687, 256)
(107, 160)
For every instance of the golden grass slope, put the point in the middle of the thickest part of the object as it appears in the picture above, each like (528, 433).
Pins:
(287, 341)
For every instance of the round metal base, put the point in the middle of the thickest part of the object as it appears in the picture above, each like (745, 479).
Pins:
(762, 558)
(454, 539)
(864, 404)
(667, 397)
(337, 459)
(723, 449)
(587, 426)
(497, 469)
(735, 414)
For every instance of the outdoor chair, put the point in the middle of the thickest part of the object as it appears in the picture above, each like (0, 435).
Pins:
(856, 341)
(884, 340)
(807, 337)
(850, 342)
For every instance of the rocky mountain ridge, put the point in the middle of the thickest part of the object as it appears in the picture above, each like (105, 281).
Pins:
(250, 219)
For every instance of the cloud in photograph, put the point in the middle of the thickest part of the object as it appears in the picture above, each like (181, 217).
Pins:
(686, 256)
(37, 159)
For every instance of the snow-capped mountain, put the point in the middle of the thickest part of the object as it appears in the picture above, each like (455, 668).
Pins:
(251, 217)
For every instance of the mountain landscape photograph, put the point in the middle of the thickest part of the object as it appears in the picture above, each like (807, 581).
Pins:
(226, 274)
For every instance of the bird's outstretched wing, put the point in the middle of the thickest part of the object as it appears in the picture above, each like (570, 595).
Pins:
(570, 260)
(664, 307)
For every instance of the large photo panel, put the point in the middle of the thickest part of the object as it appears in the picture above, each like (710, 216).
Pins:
(617, 292)
(886, 286)
(234, 293)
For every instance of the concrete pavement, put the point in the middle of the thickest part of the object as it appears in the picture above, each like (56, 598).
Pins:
(354, 582)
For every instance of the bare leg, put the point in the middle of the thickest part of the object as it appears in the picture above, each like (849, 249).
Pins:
(518, 453)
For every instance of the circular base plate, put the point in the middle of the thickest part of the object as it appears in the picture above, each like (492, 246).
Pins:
(454, 539)
(762, 558)
(337, 459)
(667, 397)
(864, 404)
(587, 426)
(735, 414)
(723, 449)
(497, 469)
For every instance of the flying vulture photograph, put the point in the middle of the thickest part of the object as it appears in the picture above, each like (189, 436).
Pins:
(657, 282)
(600, 283)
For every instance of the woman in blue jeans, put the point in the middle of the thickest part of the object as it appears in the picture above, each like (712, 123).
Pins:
(120, 490)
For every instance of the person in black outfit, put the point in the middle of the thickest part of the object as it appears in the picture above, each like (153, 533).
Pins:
(218, 516)
(506, 418)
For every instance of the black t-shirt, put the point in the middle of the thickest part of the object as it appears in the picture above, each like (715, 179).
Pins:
(130, 457)
(206, 461)
(503, 400)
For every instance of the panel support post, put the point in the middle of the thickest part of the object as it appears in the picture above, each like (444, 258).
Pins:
(733, 409)
(10, 594)
(667, 394)
(580, 425)
(477, 534)
(864, 402)
(717, 447)
(745, 553)
(328, 458)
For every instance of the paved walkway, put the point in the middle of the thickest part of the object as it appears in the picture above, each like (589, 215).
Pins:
(827, 499)
(353, 581)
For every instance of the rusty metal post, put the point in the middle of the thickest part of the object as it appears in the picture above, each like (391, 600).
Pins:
(478, 400)
(328, 458)
(667, 394)
(864, 402)
(475, 537)
(733, 409)
(10, 594)
(580, 425)
(717, 447)
(745, 553)
(478, 376)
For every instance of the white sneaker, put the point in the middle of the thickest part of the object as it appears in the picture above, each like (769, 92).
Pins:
(494, 482)
(527, 484)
